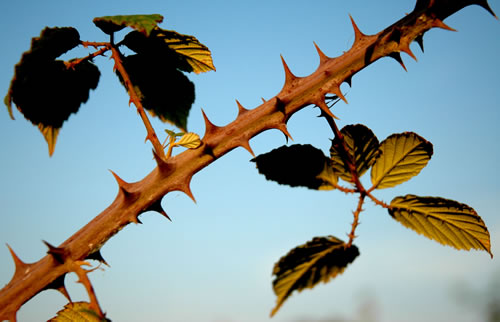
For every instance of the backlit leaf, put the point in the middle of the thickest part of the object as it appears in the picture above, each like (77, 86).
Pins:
(445, 221)
(77, 312)
(297, 165)
(362, 146)
(181, 51)
(141, 23)
(402, 157)
(189, 140)
(305, 266)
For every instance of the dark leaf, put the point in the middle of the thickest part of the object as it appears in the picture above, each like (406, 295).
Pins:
(164, 91)
(445, 221)
(297, 165)
(305, 266)
(362, 146)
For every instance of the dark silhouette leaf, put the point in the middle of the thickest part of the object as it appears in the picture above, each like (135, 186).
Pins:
(164, 91)
(402, 157)
(362, 146)
(297, 165)
(77, 311)
(445, 221)
(183, 52)
(45, 90)
(141, 23)
(305, 266)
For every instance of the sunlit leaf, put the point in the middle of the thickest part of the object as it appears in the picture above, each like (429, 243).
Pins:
(164, 91)
(141, 23)
(183, 52)
(189, 140)
(402, 157)
(77, 312)
(445, 221)
(362, 146)
(305, 266)
(297, 165)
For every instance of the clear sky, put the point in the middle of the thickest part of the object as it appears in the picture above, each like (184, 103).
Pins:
(213, 262)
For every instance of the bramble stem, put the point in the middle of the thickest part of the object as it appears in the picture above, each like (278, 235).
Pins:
(355, 222)
(151, 136)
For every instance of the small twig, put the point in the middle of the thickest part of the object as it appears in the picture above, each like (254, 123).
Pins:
(355, 222)
(377, 201)
(105, 48)
(76, 267)
(151, 135)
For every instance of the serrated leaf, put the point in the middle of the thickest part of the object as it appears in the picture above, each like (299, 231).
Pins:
(305, 266)
(402, 157)
(362, 146)
(141, 23)
(181, 51)
(77, 312)
(189, 140)
(296, 165)
(445, 221)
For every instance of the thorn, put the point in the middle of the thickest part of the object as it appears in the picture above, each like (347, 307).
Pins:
(282, 127)
(59, 254)
(397, 57)
(207, 149)
(97, 257)
(209, 126)
(406, 49)
(289, 76)
(420, 41)
(184, 187)
(358, 35)
(336, 90)
(246, 146)
(485, 5)
(20, 265)
(135, 219)
(123, 186)
(324, 108)
(241, 109)
(158, 208)
(263, 100)
(322, 57)
(440, 24)
(58, 285)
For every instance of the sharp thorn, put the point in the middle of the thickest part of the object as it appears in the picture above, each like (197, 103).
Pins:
(246, 146)
(348, 80)
(397, 57)
(59, 254)
(406, 49)
(158, 208)
(336, 90)
(209, 126)
(420, 41)
(58, 285)
(19, 264)
(484, 4)
(440, 24)
(186, 189)
(123, 186)
(322, 57)
(263, 100)
(324, 108)
(97, 256)
(241, 109)
(289, 76)
(282, 127)
(358, 35)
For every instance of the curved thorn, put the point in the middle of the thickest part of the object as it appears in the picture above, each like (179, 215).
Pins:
(19, 264)
(122, 184)
(282, 127)
(59, 254)
(184, 187)
(97, 256)
(209, 126)
(289, 76)
(158, 208)
(241, 109)
(484, 4)
(336, 90)
(358, 35)
(397, 57)
(324, 108)
(58, 285)
(406, 49)
(420, 41)
(263, 100)
(322, 57)
(438, 23)
(348, 80)
(246, 146)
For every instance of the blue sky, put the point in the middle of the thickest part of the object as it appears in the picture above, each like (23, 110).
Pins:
(214, 262)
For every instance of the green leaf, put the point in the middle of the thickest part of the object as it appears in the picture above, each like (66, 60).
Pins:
(164, 91)
(189, 140)
(362, 146)
(182, 51)
(445, 221)
(402, 157)
(297, 165)
(305, 266)
(77, 312)
(141, 23)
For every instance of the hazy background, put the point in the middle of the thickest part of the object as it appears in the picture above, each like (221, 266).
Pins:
(214, 262)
